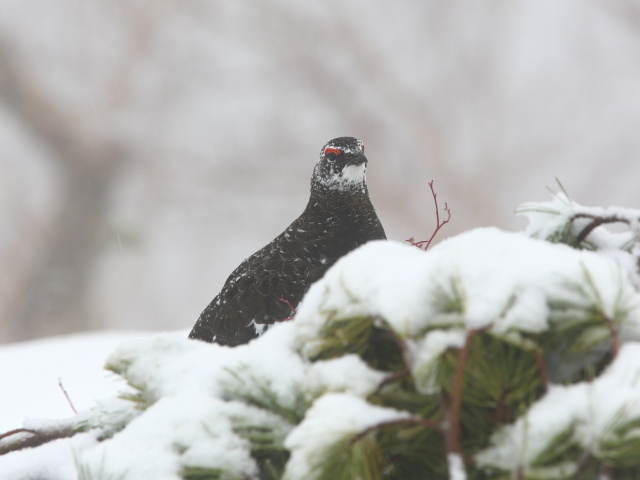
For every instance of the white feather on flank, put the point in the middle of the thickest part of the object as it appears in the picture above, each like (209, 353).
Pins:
(259, 327)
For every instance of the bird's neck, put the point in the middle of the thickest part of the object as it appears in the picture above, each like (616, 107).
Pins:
(323, 201)
(346, 214)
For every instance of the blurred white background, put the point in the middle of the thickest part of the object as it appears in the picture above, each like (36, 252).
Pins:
(148, 146)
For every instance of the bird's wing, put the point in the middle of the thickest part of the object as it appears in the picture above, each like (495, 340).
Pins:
(259, 292)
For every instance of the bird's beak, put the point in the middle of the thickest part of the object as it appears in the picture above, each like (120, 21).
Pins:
(356, 158)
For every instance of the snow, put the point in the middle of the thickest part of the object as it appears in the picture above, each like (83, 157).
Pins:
(343, 374)
(188, 401)
(30, 372)
(151, 445)
(548, 220)
(52, 461)
(33, 369)
(505, 279)
(425, 353)
(332, 418)
(456, 467)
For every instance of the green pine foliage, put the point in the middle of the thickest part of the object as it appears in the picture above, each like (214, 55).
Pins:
(203, 473)
(476, 392)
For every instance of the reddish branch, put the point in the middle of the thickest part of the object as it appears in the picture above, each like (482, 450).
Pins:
(456, 393)
(424, 244)
(291, 307)
(456, 396)
(67, 396)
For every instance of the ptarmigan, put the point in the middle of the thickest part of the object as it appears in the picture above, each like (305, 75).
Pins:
(268, 285)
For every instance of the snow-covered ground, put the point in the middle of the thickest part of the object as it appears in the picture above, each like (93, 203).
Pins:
(31, 375)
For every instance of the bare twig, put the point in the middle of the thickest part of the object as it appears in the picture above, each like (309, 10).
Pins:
(67, 396)
(424, 244)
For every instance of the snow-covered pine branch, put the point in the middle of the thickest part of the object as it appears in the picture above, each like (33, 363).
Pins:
(34, 434)
(562, 220)
(493, 355)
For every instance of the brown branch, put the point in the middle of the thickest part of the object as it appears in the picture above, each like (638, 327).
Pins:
(615, 338)
(35, 437)
(402, 421)
(542, 366)
(456, 396)
(14, 432)
(595, 223)
(456, 393)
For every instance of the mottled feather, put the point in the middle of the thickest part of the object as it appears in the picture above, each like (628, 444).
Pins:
(338, 218)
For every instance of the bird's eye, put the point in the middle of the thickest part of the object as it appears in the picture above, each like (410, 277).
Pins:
(329, 150)
(362, 147)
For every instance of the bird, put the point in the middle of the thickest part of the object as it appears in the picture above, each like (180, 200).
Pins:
(268, 286)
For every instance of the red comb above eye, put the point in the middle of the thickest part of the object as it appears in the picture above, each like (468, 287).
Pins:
(329, 150)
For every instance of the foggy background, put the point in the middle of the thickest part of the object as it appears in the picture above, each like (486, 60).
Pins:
(148, 146)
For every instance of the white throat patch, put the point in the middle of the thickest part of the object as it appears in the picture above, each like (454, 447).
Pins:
(354, 173)
(352, 176)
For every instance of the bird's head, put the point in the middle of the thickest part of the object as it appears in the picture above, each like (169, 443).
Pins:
(342, 165)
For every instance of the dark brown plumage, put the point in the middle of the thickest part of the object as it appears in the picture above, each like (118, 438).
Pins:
(338, 218)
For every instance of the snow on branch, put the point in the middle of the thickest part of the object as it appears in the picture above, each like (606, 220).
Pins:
(35, 436)
(603, 218)
(564, 220)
